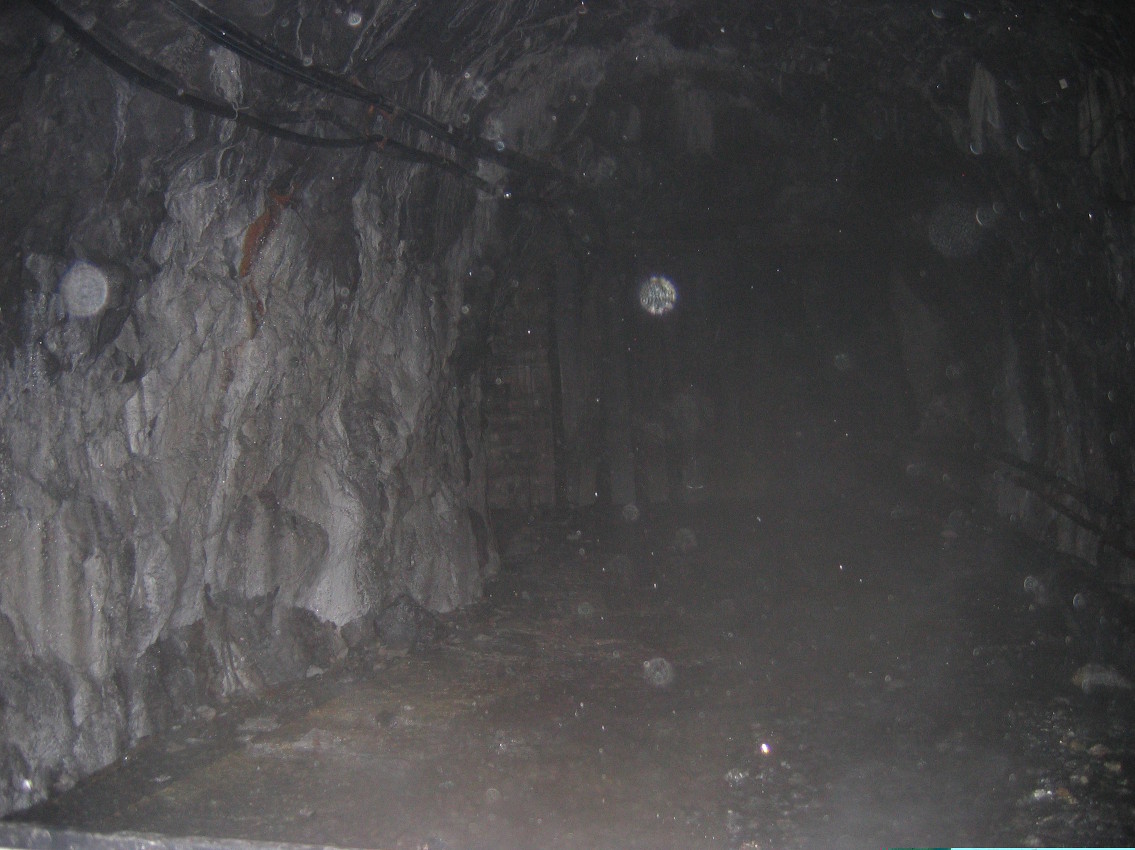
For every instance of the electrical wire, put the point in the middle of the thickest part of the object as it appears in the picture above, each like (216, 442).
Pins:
(224, 32)
(124, 60)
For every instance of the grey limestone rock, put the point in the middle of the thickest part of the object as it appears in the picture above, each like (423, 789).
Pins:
(263, 416)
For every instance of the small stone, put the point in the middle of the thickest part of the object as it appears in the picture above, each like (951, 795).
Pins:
(1065, 796)
(1095, 677)
(258, 725)
(359, 631)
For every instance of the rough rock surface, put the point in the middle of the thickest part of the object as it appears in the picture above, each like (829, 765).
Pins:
(240, 385)
(252, 442)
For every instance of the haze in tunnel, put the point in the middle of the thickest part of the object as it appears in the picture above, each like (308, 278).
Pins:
(560, 424)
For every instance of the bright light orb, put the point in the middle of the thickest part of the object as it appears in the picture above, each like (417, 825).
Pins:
(84, 289)
(658, 295)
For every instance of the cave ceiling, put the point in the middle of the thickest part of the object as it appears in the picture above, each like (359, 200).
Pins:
(682, 120)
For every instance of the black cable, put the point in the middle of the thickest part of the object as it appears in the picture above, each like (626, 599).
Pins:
(124, 60)
(229, 35)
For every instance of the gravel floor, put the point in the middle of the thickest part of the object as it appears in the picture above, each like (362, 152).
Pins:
(853, 663)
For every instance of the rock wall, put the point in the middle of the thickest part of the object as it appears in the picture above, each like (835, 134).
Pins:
(240, 380)
(245, 433)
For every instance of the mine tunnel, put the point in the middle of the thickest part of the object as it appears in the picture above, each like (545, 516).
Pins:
(567, 423)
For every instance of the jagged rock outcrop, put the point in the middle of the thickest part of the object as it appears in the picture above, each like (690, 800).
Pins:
(256, 436)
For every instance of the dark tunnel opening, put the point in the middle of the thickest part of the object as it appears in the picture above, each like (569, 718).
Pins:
(556, 424)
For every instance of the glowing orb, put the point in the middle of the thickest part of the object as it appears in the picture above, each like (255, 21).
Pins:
(658, 672)
(84, 288)
(657, 295)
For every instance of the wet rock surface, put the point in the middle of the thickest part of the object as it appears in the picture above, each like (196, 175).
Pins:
(841, 673)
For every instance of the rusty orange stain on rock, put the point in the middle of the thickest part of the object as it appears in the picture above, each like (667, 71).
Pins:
(260, 229)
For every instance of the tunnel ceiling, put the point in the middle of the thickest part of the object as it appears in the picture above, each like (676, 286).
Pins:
(662, 121)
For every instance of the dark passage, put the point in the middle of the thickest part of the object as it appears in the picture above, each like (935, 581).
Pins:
(503, 425)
